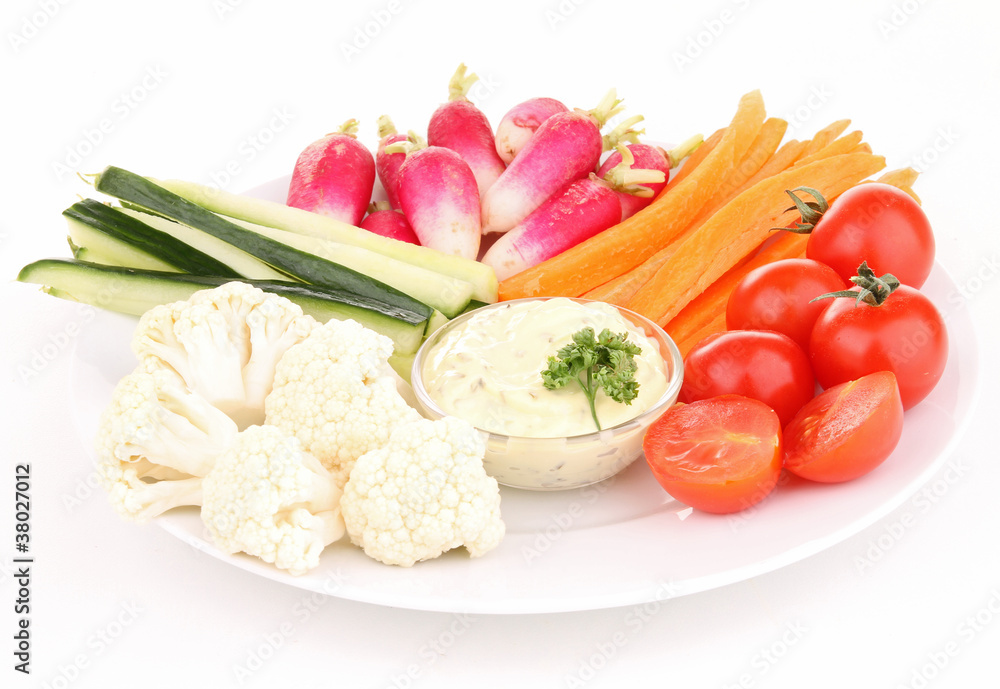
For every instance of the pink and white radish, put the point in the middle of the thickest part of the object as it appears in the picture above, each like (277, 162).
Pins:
(577, 212)
(438, 193)
(566, 147)
(334, 176)
(629, 171)
(520, 123)
(638, 172)
(387, 164)
(462, 127)
(387, 221)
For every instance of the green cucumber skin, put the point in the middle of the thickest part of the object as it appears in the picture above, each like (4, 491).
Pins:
(282, 217)
(134, 292)
(157, 244)
(136, 189)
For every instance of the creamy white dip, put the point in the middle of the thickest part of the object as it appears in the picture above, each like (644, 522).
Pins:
(488, 370)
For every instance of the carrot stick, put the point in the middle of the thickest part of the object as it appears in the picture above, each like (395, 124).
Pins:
(782, 159)
(844, 144)
(737, 228)
(627, 244)
(620, 289)
(826, 135)
(694, 160)
(706, 313)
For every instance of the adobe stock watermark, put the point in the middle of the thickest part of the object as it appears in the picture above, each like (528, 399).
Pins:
(378, 20)
(560, 13)
(31, 25)
(766, 657)
(819, 96)
(936, 661)
(250, 147)
(899, 16)
(223, 8)
(970, 288)
(944, 138)
(711, 30)
(97, 644)
(433, 650)
(123, 105)
(921, 503)
(561, 522)
(270, 643)
(636, 619)
(57, 342)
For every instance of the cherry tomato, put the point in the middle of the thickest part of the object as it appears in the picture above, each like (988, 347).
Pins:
(718, 455)
(877, 223)
(760, 364)
(905, 335)
(846, 431)
(778, 296)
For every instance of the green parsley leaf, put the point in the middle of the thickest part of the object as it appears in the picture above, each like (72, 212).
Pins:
(597, 362)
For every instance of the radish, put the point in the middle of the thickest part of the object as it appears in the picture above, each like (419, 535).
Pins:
(520, 123)
(334, 176)
(387, 164)
(580, 210)
(440, 199)
(385, 220)
(628, 168)
(566, 147)
(462, 127)
(631, 168)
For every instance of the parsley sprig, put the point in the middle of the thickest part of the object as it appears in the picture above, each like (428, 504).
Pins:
(597, 362)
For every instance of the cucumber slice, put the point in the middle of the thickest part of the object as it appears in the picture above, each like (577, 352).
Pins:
(104, 219)
(238, 260)
(134, 292)
(130, 187)
(282, 217)
(442, 292)
(90, 244)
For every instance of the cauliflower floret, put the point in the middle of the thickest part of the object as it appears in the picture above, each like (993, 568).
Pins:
(268, 497)
(422, 494)
(337, 394)
(154, 442)
(225, 343)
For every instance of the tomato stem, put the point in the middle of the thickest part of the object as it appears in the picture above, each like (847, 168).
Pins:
(874, 290)
(810, 212)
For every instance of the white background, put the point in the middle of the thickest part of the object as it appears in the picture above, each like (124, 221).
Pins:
(192, 88)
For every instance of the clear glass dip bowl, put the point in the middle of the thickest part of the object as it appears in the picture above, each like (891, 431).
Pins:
(565, 462)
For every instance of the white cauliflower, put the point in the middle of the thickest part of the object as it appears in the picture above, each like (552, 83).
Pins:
(422, 494)
(154, 443)
(225, 343)
(268, 497)
(337, 394)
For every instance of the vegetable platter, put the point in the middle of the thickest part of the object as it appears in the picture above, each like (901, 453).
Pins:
(270, 421)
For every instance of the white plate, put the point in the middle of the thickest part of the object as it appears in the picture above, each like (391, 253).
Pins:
(617, 543)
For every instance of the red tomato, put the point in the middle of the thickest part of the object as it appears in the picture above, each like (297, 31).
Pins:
(877, 223)
(905, 335)
(846, 431)
(778, 296)
(759, 364)
(718, 455)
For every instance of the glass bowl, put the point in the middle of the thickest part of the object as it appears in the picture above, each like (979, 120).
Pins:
(565, 462)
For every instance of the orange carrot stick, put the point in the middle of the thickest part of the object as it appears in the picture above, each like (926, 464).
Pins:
(737, 228)
(621, 289)
(844, 144)
(826, 135)
(627, 244)
(782, 159)
(706, 312)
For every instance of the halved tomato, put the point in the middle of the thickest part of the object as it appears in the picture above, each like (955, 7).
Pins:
(846, 430)
(720, 455)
